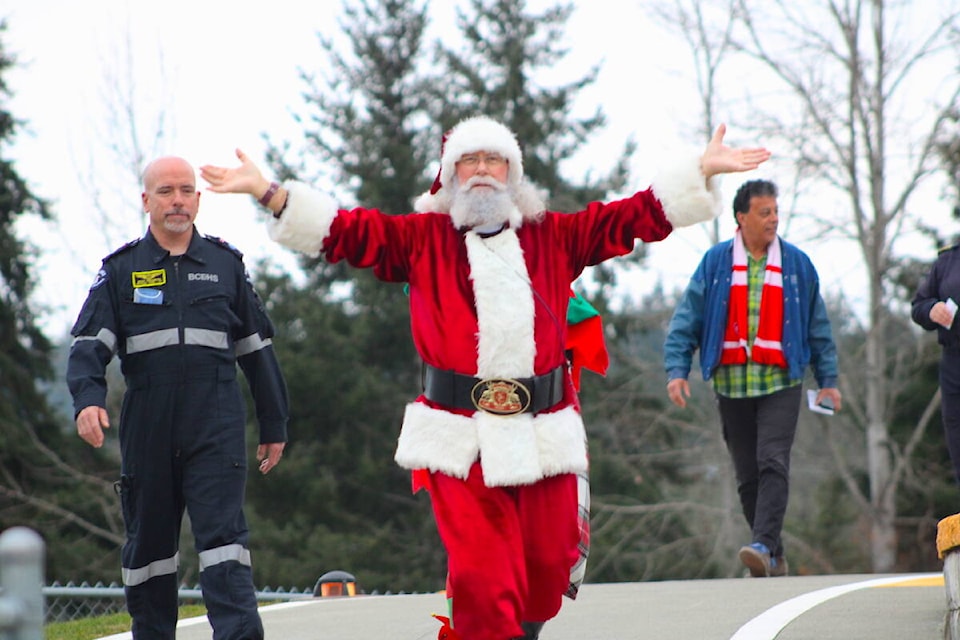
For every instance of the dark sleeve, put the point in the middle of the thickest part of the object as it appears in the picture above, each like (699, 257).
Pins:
(94, 345)
(258, 360)
(928, 294)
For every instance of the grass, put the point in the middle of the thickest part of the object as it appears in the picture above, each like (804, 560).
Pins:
(100, 626)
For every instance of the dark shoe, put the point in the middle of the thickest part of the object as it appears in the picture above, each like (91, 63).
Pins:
(779, 567)
(756, 557)
(531, 630)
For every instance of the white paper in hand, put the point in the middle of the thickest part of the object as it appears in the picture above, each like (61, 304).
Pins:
(817, 408)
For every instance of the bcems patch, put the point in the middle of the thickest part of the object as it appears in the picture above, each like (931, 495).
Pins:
(155, 278)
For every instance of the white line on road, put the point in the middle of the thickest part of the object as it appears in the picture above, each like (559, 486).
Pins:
(768, 624)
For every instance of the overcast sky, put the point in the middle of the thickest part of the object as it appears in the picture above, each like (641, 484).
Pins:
(230, 74)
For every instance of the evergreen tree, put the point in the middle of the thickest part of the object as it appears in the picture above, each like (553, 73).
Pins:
(506, 49)
(48, 479)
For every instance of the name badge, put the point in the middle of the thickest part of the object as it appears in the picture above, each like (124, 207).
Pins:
(148, 296)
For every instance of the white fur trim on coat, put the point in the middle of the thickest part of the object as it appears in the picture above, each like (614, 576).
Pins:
(687, 197)
(513, 450)
(505, 342)
(306, 220)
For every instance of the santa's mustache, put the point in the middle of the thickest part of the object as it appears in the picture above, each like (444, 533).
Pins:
(484, 181)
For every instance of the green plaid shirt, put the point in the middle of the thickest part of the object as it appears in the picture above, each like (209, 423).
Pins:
(751, 380)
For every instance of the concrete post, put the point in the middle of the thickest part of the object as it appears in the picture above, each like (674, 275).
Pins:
(21, 584)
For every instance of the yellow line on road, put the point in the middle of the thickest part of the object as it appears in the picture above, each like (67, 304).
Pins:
(922, 581)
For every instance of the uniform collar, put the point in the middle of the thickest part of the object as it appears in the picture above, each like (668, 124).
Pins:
(159, 254)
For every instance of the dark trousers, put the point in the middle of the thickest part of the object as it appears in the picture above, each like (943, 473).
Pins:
(759, 434)
(183, 449)
(950, 404)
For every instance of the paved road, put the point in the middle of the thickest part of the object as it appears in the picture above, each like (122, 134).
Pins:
(847, 607)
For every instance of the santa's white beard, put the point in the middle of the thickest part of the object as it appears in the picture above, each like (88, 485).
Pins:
(482, 207)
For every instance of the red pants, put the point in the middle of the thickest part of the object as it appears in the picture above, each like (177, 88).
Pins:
(509, 550)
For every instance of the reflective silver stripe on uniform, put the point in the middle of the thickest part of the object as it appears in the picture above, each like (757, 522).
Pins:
(105, 336)
(252, 343)
(225, 553)
(205, 338)
(153, 340)
(133, 577)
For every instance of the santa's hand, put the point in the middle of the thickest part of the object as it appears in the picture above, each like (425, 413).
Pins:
(719, 158)
(243, 179)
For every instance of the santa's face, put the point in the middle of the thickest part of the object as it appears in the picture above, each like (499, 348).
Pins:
(481, 197)
(482, 163)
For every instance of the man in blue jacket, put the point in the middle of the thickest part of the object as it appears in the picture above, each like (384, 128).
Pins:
(753, 309)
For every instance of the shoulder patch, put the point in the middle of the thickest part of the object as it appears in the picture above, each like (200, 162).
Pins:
(99, 280)
(125, 247)
(947, 248)
(223, 243)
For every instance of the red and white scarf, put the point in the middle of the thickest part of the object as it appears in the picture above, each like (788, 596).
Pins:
(767, 346)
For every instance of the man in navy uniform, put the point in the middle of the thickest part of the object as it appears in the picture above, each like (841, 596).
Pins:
(934, 307)
(178, 309)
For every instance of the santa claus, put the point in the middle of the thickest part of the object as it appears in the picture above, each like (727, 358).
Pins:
(496, 435)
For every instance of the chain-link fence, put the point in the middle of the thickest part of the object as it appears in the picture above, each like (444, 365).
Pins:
(72, 601)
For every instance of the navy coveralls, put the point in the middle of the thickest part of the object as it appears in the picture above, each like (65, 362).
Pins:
(941, 283)
(180, 325)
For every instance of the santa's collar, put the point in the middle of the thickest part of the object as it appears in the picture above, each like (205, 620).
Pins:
(485, 230)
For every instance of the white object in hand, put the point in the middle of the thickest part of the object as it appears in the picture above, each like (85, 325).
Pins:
(812, 404)
(952, 308)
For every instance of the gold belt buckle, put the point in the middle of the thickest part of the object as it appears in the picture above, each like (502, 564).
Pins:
(501, 396)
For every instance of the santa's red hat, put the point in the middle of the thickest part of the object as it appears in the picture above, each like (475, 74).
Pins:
(472, 135)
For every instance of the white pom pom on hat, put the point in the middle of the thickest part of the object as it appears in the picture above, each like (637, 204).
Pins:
(479, 133)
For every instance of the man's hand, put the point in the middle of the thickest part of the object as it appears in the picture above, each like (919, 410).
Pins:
(269, 455)
(678, 390)
(719, 158)
(940, 314)
(829, 393)
(243, 179)
(91, 421)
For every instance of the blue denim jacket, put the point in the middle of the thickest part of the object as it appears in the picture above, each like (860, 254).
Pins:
(700, 319)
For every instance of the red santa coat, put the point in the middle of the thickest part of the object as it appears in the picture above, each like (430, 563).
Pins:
(491, 308)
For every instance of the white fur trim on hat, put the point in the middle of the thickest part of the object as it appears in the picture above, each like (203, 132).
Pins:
(306, 220)
(686, 195)
(479, 133)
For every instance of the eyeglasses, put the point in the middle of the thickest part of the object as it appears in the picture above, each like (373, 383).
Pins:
(492, 160)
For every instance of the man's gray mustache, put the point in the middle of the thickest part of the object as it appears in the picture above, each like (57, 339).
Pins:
(489, 182)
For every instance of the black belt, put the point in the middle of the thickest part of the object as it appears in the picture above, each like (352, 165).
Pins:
(499, 396)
